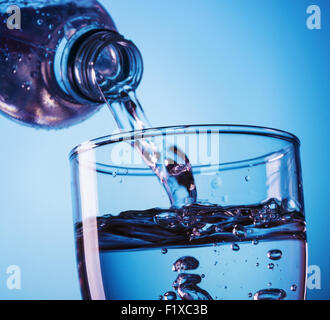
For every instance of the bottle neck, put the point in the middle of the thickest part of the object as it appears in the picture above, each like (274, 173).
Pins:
(104, 64)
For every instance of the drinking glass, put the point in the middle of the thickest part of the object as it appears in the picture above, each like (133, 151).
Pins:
(243, 236)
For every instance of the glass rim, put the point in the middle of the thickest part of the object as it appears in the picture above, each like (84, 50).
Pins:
(221, 128)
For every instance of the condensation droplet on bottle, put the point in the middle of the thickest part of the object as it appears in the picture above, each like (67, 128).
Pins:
(257, 264)
(49, 36)
(114, 174)
(250, 295)
(170, 295)
(164, 251)
(269, 284)
(235, 247)
(247, 178)
(274, 254)
(40, 22)
(255, 242)
(51, 27)
(34, 74)
(14, 70)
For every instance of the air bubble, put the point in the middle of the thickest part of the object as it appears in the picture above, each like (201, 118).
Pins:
(274, 254)
(293, 287)
(271, 266)
(185, 263)
(170, 295)
(270, 294)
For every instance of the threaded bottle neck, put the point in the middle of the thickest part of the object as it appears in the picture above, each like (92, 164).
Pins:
(104, 64)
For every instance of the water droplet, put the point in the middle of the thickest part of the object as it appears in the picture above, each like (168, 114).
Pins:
(257, 264)
(271, 266)
(28, 88)
(40, 22)
(49, 36)
(247, 178)
(185, 263)
(170, 295)
(51, 27)
(270, 294)
(34, 74)
(202, 275)
(164, 250)
(114, 174)
(14, 70)
(250, 295)
(293, 287)
(255, 242)
(235, 247)
(269, 284)
(274, 254)
(160, 297)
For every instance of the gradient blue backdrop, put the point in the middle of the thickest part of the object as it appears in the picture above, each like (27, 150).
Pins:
(245, 62)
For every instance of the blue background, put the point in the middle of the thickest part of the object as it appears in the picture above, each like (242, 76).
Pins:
(215, 61)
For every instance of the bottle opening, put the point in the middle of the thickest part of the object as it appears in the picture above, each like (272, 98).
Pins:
(106, 60)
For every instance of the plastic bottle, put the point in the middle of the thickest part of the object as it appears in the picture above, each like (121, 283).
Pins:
(50, 69)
